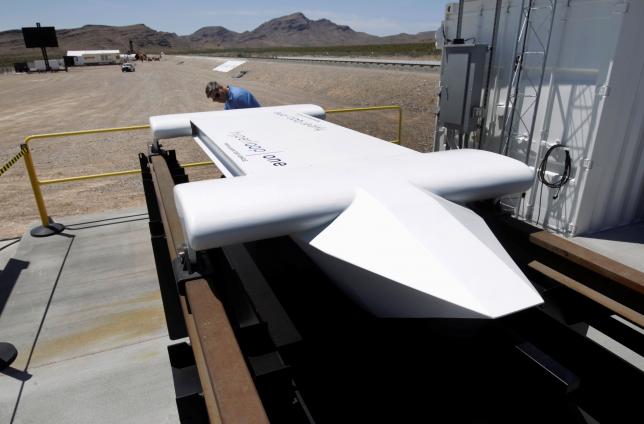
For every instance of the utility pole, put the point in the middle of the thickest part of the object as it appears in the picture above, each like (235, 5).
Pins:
(44, 53)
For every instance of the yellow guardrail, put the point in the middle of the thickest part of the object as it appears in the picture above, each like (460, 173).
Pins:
(371, 108)
(31, 169)
(37, 183)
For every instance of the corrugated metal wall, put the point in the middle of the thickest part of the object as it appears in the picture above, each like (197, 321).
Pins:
(592, 101)
(613, 194)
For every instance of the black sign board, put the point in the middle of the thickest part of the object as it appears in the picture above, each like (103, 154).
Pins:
(39, 37)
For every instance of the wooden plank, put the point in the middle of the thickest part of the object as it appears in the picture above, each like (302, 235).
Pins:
(609, 268)
(594, 295)
(234, 390)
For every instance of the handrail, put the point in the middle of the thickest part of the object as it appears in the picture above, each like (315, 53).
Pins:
(37, 183)
(89, 177)
(85, 132)
(31, 169)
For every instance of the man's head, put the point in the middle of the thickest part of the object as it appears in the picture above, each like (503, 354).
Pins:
(216, 92)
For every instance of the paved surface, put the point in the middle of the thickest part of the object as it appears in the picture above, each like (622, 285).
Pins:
(84, 311)
(7, 249)
(429, 63)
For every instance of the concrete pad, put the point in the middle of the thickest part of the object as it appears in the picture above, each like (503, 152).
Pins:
(43, 258)
(7, 250)
(102, 315)
(101, 353)
(26, 284)
(9, 392)
(127, 385)
(103, 217)
(108, 252)
(19, 323)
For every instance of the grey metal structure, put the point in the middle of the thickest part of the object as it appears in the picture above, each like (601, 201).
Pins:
(531, 55)
(461, 86)
(562, 73)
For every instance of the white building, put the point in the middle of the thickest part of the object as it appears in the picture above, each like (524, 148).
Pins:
(564, 73)
(95, 57)
(127, 57)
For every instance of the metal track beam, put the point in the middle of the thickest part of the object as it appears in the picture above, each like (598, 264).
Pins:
(228, 389)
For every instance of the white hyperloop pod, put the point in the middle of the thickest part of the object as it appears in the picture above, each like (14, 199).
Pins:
(382, 221)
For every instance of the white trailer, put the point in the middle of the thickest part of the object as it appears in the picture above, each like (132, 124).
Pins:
(95, 57)
(567, 73)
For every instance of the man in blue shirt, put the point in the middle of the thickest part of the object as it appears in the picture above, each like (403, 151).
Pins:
(232, 97)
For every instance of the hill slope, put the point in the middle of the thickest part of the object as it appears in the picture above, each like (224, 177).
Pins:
(286, 31)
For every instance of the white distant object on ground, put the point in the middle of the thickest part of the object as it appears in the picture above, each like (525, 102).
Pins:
(379, 219)
(40, 65)
(95, 57)
(128, 67)
(229, 65)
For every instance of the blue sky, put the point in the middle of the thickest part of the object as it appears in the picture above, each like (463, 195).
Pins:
(377, 17)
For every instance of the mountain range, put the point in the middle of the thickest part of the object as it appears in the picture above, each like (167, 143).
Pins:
(287, 31)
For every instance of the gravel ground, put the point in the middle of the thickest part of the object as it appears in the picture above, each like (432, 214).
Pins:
(99, 97)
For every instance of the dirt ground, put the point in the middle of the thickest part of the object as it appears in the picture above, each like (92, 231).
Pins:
(103, 96)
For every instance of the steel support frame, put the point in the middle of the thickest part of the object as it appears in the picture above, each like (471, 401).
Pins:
(227, 389)
(228, 337)
(580, 289)
(235, 357)
(169, 295)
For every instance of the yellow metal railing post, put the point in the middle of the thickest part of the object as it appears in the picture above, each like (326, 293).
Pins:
(48, 227)
(29, 164)
(399, 126)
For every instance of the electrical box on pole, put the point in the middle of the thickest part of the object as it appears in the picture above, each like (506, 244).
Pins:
(462, 76)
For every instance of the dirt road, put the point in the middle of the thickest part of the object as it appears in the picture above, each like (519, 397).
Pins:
(99, 97)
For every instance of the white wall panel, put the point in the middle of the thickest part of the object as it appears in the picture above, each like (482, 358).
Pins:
(595, 44)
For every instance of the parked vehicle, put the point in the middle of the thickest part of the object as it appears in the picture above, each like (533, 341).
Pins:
(128, 67)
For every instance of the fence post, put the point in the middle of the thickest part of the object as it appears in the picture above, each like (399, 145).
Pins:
(399, 126)
(48, 227)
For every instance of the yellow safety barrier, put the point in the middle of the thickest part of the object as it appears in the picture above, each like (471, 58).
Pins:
(36, 183)
(370, 108)
(11, 162)
(192, 165)
(31, 170)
